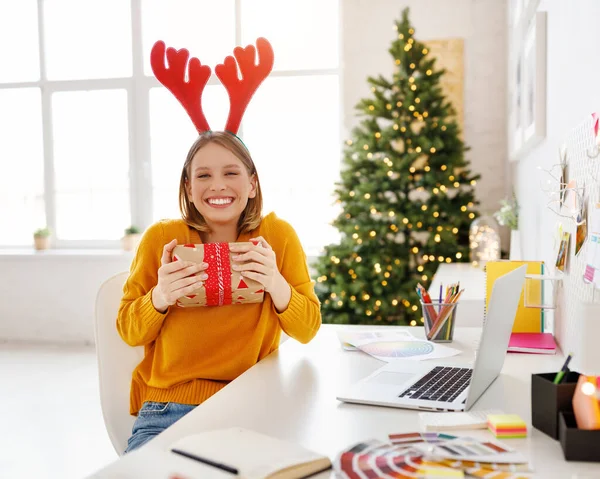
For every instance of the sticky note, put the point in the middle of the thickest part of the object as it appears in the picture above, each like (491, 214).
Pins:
(507, 425)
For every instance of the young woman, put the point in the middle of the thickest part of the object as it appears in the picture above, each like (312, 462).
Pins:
(191, 353)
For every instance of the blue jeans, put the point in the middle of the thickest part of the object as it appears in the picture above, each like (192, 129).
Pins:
(153, 418)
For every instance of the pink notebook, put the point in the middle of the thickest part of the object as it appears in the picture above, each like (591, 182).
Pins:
(538, 343)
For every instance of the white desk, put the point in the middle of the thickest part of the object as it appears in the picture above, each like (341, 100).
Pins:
(291, 395)
(472, 280)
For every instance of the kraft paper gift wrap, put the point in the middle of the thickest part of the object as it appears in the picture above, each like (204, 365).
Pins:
(223, 286)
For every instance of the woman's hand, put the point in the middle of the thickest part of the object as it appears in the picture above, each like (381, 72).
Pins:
(176, 279)
(258, 262)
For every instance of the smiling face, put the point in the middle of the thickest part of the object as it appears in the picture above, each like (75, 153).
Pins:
(219, 185)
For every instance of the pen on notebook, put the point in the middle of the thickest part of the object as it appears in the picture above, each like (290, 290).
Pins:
(560, 374)
(218, 465)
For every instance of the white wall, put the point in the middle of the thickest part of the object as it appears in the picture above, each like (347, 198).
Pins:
(573, 92)
(367, 36)
(50, 296)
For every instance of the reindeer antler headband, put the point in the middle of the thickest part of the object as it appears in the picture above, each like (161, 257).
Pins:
(189, 93)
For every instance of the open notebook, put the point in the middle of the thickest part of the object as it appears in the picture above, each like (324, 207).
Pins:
(248, 455)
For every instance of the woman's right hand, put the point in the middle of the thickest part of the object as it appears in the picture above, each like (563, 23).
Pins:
(176, 279)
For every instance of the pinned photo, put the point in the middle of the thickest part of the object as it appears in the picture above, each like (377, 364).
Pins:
(564, 174)
(561, 259)
(582, 230)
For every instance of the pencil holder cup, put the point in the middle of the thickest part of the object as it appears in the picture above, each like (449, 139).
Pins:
(439, 319)
(548, 399)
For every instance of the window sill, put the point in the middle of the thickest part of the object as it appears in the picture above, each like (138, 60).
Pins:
(87, 254)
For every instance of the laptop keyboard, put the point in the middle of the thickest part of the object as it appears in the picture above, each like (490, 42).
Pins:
(440, 384)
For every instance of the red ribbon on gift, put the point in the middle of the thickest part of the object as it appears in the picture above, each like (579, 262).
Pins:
(596, 119)
(218, 284)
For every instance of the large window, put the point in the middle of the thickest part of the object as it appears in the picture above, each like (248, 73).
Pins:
(92, 142)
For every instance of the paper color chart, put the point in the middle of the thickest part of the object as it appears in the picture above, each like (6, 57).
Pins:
(417, 437)
(471, 448)
(398, 349)
(374, 459)
(430, 455)
(492, 470)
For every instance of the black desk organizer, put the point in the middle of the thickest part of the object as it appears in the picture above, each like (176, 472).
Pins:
(552, 413)
(577, 444)
(548, 399)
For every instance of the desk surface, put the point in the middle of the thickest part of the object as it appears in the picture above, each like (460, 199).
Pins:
(291, 394)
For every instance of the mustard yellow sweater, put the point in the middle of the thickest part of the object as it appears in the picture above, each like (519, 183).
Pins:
(191, 353)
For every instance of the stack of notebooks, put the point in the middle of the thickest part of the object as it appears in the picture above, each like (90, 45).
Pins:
(527, 320)
(528, 329)
(507, 425)
(536, 343)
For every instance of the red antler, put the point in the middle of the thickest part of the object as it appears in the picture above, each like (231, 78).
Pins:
(241, 91)
(188, 93)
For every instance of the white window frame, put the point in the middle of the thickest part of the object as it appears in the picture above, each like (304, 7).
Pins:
(138, 102)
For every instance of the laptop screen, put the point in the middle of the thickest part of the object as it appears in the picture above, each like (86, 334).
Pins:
(496, 332)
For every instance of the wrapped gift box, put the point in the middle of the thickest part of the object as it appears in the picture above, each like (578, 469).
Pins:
(223, 286)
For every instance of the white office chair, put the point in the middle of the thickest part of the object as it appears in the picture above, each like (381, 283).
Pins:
(116, 362)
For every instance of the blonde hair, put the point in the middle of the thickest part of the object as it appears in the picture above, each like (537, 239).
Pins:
(252, 215)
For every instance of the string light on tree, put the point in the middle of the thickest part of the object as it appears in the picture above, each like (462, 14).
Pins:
(400, 214)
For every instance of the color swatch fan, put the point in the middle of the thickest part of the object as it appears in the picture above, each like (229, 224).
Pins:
(430, 455)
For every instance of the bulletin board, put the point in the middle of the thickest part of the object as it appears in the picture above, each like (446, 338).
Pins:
(583, 166)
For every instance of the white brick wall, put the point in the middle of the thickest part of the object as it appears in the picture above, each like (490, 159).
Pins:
(368, 33)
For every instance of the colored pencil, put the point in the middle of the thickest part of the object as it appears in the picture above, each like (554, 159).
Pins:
(444, 315)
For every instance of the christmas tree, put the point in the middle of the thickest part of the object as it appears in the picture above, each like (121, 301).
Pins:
(406, 193)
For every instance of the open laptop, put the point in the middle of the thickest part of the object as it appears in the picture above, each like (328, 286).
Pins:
(419, 385)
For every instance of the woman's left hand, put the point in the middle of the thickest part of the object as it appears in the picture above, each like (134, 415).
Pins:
(257, 262)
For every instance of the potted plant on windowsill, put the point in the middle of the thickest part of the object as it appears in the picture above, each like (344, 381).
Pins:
(41, 239)
(131, 238)
(508, 215)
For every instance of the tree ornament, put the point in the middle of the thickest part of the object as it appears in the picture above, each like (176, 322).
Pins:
(420, 162)
(398, 145)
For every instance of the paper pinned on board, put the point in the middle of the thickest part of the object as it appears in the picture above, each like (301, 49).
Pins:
(592, 267)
